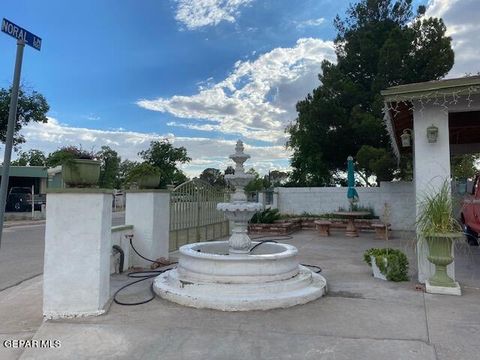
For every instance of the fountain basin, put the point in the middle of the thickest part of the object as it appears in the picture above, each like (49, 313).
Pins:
(208, 277)
(209, 261)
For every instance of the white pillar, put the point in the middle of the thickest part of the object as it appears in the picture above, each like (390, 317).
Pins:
(76, 276)
(149, 213)
(261, 198)
(275, 200)
(432, 168)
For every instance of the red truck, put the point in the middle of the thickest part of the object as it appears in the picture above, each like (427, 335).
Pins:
(470, 213)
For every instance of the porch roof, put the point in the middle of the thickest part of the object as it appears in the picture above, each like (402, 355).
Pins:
(464, 126)
(430, 89)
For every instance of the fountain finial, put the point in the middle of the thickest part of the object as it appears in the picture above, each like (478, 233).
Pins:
(239, 158)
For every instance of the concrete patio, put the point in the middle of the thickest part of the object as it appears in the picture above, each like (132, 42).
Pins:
(360, 318)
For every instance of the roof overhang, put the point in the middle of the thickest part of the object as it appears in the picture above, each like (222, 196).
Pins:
(432, 89)
(400, 102)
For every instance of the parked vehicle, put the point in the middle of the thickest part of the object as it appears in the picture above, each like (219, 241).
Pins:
(20, 199)
(470, 213)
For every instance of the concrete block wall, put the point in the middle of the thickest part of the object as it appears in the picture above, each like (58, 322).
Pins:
(400, 196)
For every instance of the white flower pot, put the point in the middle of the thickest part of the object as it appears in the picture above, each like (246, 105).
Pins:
(376, 271)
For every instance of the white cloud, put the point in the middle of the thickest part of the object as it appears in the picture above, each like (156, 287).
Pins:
(310, 23)
(461, 19)
(203, 151)
(195, 14)
(257, 100)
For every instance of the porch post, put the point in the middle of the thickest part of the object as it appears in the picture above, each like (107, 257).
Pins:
(431, 169)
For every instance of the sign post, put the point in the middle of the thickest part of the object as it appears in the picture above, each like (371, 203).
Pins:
(23, 37)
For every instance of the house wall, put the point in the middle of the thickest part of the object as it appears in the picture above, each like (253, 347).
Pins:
(318, 200)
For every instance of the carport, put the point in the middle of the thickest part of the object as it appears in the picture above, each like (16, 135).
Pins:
(433, 121)
(28, 176)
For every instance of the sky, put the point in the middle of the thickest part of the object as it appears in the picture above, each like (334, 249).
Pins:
(200, 73)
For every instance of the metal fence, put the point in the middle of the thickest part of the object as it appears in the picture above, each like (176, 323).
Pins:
(193, 213)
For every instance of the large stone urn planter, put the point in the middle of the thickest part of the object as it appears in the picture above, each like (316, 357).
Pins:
(440, 255)
(148, 181)
(81, 173)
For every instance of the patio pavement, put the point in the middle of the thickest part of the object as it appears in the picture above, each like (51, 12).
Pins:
(360, 318)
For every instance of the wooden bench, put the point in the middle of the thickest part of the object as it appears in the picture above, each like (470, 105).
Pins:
(380, 230)
(323, 227)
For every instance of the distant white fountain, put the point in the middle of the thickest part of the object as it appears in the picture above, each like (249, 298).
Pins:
(238, 274)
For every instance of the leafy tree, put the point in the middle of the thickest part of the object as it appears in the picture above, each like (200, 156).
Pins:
(277, 177)
(31, 107)
(124, 169)
(380, 43)
(257, 184)
(230, 170)
(31, 157)
(375, 161)
(109, 168)
(163, 155)
(213, 176)
(464, 166)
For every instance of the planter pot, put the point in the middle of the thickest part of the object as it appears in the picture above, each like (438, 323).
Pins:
(148, 181)
(440, 255)
(81, 173)
(376, 271)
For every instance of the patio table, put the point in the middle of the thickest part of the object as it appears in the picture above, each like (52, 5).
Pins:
(351, 230)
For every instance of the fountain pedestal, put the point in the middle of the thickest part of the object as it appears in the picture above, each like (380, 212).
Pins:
(238, 275)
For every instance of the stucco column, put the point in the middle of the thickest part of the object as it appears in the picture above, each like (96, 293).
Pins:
(432, 168)
(275, 202)
(76, 276)
(149, 213)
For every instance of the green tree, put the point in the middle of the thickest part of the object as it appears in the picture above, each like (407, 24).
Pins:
(213, 176)
(277, 178)
(375, 161)
(124, 168)
(257, 184)
(230, 170)
(464, 166)
(31, 157)
(109, 168)
(380, 43)
(31, 107)
(163, 155)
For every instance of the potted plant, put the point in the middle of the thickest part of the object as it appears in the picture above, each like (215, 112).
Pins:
(79, 167)
(146, 176)
(387, 263)
(439, 228)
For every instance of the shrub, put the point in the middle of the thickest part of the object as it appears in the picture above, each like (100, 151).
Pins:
(268, 216)
(396, 266)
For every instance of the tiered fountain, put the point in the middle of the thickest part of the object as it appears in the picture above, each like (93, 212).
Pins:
(238, 275)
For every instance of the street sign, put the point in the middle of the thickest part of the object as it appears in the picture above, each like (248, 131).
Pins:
(19, 33)
(23, 37)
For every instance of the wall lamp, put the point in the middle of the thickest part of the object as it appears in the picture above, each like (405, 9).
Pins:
(432, 134)
(406, 137)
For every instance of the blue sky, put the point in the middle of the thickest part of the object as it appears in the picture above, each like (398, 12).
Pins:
(201, 73)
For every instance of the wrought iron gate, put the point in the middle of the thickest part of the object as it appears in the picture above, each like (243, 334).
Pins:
(193, 213)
